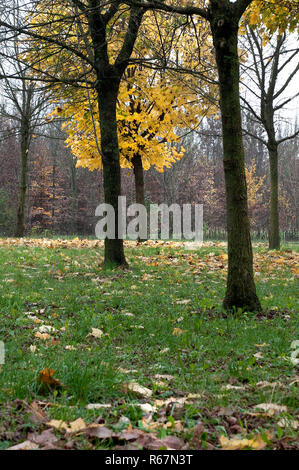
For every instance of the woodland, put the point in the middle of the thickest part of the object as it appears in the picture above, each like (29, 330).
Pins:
(144, 343)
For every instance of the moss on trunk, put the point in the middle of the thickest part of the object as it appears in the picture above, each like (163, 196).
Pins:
(241, 291)
(107, 96)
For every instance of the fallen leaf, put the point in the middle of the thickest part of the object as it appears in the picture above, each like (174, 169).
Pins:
(26, 445)
(58, 424)
(101, 432)
(147, 407)
(271, 408)
(137, 390)
(232, 387)
(36, 414)
(96, 333)
(177, 332)
(46, 329)
(45, 438)
(164, 377)
(97, 406)
(258, 355)
(256, 443)
(42, 335)
(45, 377)
(77, 426)
(292, 423)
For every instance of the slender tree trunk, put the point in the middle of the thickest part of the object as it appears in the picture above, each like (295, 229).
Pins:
(274, 237)
(139, 179)
(53, 189)
(107, 96)
(20, 227)
(139, 183)
(241, 291)
(74, 197)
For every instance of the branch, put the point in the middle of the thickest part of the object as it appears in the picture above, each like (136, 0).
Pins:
(159, 5)
(288, 137)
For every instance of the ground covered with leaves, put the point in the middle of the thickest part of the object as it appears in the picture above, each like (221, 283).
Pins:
(145, 358)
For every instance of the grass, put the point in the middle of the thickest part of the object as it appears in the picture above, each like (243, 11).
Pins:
(176, 327)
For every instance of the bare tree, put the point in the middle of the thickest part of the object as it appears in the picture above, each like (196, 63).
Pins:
(24, 105)
(268, 75)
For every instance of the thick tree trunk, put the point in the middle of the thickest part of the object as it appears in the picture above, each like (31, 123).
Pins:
(274, 237)
(107, 96)
(241, 291)
(20, 226)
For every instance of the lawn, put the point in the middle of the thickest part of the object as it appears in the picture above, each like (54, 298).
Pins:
(152, 344)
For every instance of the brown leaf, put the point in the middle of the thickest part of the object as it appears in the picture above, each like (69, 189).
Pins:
(173, 442)
(26, 445)
(101, 432)
(45, 377)
(36, 414)
(45, 438)
(130, 435)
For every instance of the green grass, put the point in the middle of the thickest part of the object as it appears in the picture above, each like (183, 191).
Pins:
(67, 289)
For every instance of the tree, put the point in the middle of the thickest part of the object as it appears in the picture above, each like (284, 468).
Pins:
(56, 26)
(153, 107)
(25, 106)
(224, 17)
(268, 62)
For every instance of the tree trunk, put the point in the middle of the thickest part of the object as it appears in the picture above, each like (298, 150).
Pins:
(107, 96)
(139, 179)
(139, 183)
(20, 227)
(241, 291)
(74, 227)
(274, 237)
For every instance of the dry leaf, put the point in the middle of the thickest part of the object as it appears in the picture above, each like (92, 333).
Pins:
(36, 414)
(292, 423)
(137, 390)
(232, 387)
(58, 424)
(26, 445)
(147, 407)
(45, 377)
(101, 432)
(256, 443)
(45, 438)
(271, 408)
(164, 377)
(46, 329)
(77, 426)
(258, 355)
(177, 332)
(264, 384)
(96, 333)
(42, 335)
(97, 406)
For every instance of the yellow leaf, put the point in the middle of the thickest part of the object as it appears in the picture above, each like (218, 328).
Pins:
(256, 443)
(177, 332)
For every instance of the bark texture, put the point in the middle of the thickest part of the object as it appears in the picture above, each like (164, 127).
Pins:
(241, 291)
(25, 138)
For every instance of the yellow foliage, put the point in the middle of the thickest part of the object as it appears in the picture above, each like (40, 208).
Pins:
(154, 107)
